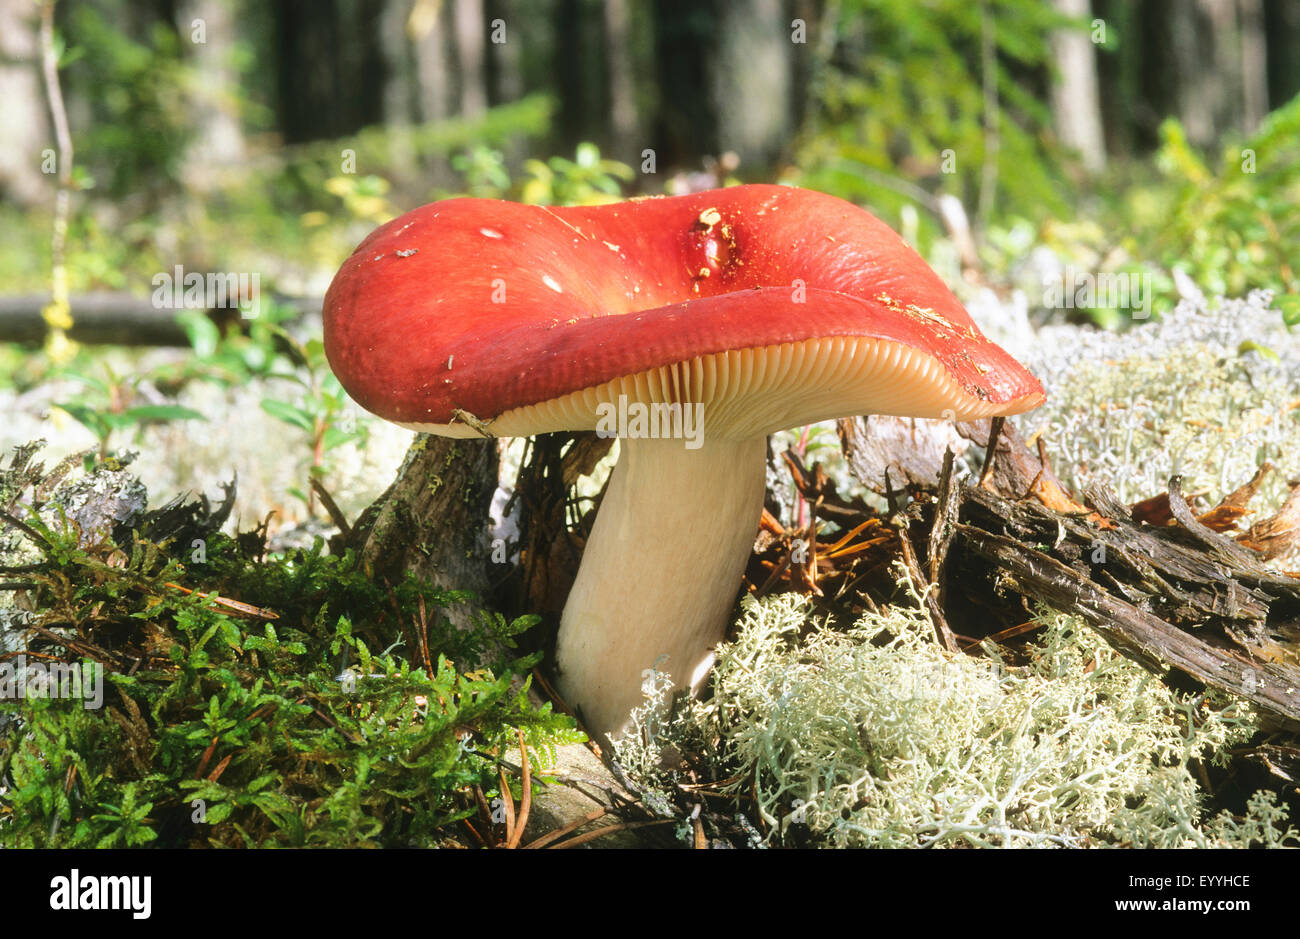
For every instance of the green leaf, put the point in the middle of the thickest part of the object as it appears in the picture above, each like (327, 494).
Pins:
(1251, 345)
(334, 437)
(88, 417)
(161, 412)
(216, 814)
(1289, 304)
(203, 334)
(289, 414)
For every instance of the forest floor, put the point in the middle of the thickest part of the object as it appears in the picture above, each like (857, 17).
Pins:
(1208, 395)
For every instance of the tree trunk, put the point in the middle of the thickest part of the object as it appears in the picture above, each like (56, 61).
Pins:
(568, 56)
(752, 79)
(399, 63)
(505, 80)
(434, 519)
(400, 85)
(1076, 108)
(1254, 64)
(22, 106)
(209, 33)
(307, 76)
(428, 30)
(624, 121)
(686, 127)
(470, 59)
(1282, 36)
(1208, 75)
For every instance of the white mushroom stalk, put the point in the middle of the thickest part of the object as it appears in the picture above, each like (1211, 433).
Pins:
(660, 572)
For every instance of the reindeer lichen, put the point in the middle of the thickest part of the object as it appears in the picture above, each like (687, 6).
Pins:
(1210, 392)
(875, 736)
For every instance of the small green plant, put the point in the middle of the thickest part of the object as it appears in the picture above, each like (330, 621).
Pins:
(243, 703)
(321, 411)
(255, 348)
(929, 90)
(108, 405)
(484, 171)
(1232, 227)
(364, 197)
(587, 179)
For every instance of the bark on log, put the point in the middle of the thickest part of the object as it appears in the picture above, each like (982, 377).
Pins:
(433, 520)
(1130, 622)
(1176, 593)
(109, 319)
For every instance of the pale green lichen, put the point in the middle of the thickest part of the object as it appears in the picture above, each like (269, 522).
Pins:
(1209, 393)
(875, 736)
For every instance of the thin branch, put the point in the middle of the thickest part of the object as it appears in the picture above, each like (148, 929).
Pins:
(995, 433)
(591, 835)
(335, 513)
(572, 826)
(526, 798)
(58, 314)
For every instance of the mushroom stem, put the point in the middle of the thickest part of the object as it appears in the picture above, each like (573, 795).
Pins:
(660, 572)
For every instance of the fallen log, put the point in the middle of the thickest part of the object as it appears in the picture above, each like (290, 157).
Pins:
(112, 319)
(1240, 660)
(1188, 593)
(1179, 595)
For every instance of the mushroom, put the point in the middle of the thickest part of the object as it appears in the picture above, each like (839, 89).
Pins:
(692, 327)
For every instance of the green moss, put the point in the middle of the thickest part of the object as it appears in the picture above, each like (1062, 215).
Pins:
(221, 727)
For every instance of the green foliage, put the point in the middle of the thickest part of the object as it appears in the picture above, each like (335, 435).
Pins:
(900, 95)
(141, 126)
(484, 171)
(222, 727)
(110, 403)
(252, 348)
(321, 410)
(304, 207)
(1232, 227)
(107, 405)
(587, 179)
(364, 197)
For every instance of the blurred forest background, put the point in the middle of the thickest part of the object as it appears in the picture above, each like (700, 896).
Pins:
(1024, 147)
(1020, 145)
(269, 137)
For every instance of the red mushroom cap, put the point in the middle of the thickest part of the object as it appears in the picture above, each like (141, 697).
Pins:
(488, 306)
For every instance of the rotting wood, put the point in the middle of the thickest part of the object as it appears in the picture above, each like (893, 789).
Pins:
(1135, 632)
(1179, 594)
(433, 520)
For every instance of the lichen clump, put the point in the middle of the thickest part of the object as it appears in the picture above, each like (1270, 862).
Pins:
(874, 736)
(1209, 393)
